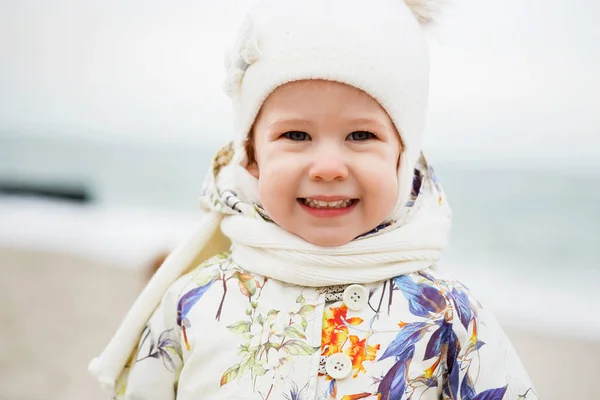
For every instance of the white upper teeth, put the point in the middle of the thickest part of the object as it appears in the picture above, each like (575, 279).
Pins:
(327, 204)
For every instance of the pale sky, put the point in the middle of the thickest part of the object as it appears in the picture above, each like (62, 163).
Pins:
(516, 76)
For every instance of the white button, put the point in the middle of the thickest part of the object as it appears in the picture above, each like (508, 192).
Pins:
(355, 297)
(338, 366)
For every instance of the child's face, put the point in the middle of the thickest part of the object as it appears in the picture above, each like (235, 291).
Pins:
(331, 142)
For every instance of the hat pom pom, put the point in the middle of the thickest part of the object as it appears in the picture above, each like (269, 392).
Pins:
(233, 81)
(250, 53)
(424, 10)
(237, 61)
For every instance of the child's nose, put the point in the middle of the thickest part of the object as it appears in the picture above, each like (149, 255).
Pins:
(328, 166)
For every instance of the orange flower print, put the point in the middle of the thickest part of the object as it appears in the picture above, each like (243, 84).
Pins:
(337, 316)
(335, 329)
(359, 352)
(333, 340)
(336, 339)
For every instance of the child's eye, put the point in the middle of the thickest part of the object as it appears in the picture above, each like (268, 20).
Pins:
(296, 136)
(361, 135)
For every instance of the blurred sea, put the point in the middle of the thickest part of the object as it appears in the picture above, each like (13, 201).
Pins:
(531, 231)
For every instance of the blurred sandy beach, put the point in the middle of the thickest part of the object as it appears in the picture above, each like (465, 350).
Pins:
(58, 311)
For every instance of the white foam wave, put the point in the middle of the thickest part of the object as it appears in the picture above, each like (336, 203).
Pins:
(127, 238)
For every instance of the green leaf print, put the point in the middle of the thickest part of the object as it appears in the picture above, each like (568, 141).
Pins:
(271, 345)
(292, 332)
(298, 348)
(259, 370)
(307, 310)
(304, 324)
(240, 327)
(266, 333)
(248, 361)
(251, 286)
(272, 315)
(230, 374)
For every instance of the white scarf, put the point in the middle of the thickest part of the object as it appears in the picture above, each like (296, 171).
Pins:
(412, 241)
(268, 250)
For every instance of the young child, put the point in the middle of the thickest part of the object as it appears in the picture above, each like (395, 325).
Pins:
(313, 274)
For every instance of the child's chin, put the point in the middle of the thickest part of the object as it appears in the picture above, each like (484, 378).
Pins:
(328, 239)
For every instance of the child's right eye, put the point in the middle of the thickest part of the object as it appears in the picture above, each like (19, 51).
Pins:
(296, 136)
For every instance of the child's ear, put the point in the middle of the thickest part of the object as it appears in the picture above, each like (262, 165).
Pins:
(252, 165)
(252, 168)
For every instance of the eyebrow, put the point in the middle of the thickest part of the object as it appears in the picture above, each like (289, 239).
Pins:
(288, 121)
(300, 121)
(369, 121)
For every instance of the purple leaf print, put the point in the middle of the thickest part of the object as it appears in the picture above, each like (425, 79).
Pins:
(187, 301)
(416, 188)
(426, 275)
(467, 392)
(296, 393)
(166, 348)
(453, 348)
(434, 347)
(430, 382)
(423, 299)
(463, 307)
(407, 337)
(332, 390)
(393, 384)
(491, 394)
(169, 350)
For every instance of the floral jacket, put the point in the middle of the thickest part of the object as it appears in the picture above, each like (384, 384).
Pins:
(222, 333)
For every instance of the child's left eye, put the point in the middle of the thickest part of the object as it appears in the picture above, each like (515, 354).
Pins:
(296, 136)
(361, 135)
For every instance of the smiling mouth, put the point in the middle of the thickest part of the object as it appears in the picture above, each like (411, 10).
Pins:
(312, 203)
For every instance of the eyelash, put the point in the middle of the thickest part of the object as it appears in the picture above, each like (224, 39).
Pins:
(287, 135)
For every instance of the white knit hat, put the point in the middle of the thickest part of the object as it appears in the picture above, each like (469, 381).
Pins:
(377, 46)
